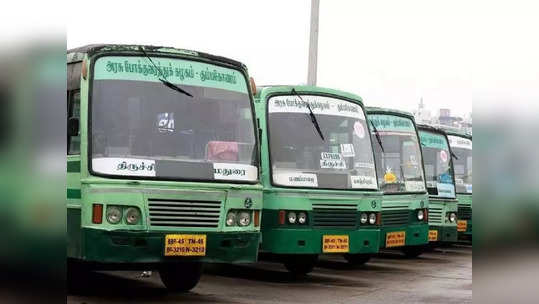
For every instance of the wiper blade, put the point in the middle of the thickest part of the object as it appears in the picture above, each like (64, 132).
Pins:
(377, 135)
(454, 155)
(175, 87)
(164, 79)
(311, 115)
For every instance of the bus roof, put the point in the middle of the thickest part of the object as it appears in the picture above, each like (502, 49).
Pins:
(379, 110)
(76, 54)
(276, 89)
(455, 131)
(426, 127)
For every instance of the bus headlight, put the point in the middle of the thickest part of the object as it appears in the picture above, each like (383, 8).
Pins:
(292, 217)
(420, 215)
(372, 218)
(244, 218)
(114, 214)
(364, 218)
(452, 217)
(231, 218)
(302, 217)
(132, 216)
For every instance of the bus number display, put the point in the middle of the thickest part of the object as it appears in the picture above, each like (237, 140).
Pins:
(335, 243)
(462, 226)
(395, 239)
(185, 245)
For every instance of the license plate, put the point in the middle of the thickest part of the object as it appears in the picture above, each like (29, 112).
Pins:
(185, 245)
(395, 239)
(335, 243)
(462, 226)
(433, 235)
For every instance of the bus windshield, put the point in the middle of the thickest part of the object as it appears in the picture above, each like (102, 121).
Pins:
(437, 161)
(398, 157)
(462, 148)
(141, 127)
(342, 158)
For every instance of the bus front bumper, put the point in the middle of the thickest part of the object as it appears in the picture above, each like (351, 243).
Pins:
(138, 247)
(309, 241)
(417, 234)
(446, 234)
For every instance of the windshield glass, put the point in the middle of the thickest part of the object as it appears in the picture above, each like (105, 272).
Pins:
(462, 148)
(141, 127)
(300, 157)
(437, 161)
(398, 160)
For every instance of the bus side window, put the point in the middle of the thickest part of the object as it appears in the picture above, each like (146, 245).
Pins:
(73, 142)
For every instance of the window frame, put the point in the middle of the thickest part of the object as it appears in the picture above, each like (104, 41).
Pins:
(70, 107)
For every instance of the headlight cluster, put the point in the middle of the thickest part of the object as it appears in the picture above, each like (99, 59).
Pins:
(420, 214)
(240, 218)
(292, 217)
(452, 217)
(115, 214)
(370, 218)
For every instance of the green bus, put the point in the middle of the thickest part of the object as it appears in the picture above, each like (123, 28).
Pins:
(320, 188)
(439, 175)
(162, 162)
(461, 145)
(401, 177)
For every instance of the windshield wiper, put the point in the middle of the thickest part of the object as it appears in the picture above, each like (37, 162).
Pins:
(377, 135)
(311, 115)
(164, 79)
(454, 155)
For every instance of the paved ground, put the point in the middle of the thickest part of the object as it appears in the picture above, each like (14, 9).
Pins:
(440, 276)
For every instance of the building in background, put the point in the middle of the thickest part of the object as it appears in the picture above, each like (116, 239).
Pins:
(442, 117)
(422, 114)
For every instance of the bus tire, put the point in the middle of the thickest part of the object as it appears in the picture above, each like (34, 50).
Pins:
(181, 277)
(357, 259)
(412, 252)
(76, 277)
(300, 264)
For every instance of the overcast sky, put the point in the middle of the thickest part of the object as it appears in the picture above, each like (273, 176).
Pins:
(391, 53)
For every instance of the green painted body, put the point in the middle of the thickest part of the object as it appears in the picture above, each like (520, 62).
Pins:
(307, 239)
(395, 203)
(464, 199)
(142, 244)
(440, 207)
(465, 214)
(438, 210)
(416, 231)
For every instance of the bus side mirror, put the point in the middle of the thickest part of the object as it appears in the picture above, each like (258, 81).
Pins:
(73, 126)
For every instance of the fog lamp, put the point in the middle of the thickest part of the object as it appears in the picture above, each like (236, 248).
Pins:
(372, 218)
(292, 217)
(132, 216)
(231, 218)
(114, 214)
(244, 218)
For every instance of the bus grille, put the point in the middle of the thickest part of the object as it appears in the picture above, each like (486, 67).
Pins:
(335, 215)
(395, 217)
(175, 213)
(435, 215)
(464, 213)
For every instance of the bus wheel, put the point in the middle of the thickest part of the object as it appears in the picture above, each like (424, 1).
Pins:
(357, 259)
(413, 251)
(300, 264)
(76, 276)
(181, 277)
